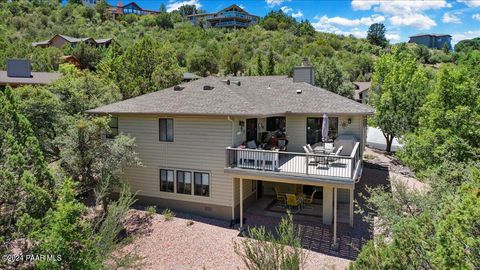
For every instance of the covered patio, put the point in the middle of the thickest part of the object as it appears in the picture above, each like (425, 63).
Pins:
(316, 202)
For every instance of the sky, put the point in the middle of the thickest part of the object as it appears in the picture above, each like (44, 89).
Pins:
(459, 18)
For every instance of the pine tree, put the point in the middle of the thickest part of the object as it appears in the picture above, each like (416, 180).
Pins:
(259, 65)
(271, 63)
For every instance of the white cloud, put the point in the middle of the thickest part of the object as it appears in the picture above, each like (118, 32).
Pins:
(321, 26)
(298, 14)
(174, 5)
(470, 3)
(367, 21)
(451, 18)
(273, 3)
(363, 4)
(286, 9)
(418, 21)
(393, 37)
(456, 37)
(399, 7)
(476, 16)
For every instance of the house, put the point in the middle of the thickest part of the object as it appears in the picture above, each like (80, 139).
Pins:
(19, 73)
(203, 144)
(70, 59)
(361, 91)
(229, 17)
(61, 40)
(432, 41)
(130, 8)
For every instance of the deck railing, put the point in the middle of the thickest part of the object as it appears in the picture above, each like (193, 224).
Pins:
(321, 165)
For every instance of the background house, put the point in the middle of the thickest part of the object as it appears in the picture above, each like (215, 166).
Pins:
(432, 41)
(19, 72)
(61, 40)
(130, 8)
(229, 17)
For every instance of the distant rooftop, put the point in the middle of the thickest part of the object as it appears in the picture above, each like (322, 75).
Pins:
(433, 35)
(36, 78)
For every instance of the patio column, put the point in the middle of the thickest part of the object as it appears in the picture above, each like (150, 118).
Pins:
(241, 203)
(327, 205)
(351, 206)
(335, 244)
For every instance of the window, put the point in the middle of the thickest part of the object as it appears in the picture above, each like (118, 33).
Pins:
(166, 180)
(166, 129)
(184, 182)
(276, 123)
(202, 184)
(113, 124)
(314, 129)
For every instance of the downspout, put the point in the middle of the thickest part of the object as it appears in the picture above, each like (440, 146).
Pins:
(233, 179)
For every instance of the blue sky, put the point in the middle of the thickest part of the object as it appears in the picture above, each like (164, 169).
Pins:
(459, 18)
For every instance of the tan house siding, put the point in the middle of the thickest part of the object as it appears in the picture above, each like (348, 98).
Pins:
(297, 130)
(199, 145)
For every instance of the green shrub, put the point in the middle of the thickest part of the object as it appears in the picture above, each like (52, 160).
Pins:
(168, 214)
(151, 210)
(265, 250)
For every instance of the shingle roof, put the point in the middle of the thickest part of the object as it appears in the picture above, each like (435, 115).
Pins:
(37, 78)
(260, 96)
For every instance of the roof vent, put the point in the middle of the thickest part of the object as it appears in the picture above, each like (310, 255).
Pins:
(237, 83)
(226, 81)
(208, 87)
(178, 88)
(299, 91)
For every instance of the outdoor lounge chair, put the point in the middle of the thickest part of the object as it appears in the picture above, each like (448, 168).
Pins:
(293, 201)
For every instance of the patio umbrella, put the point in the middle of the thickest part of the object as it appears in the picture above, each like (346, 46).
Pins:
(325, 128)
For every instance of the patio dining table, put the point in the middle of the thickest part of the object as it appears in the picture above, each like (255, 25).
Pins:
(321, 149)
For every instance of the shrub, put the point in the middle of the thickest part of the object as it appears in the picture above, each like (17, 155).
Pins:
(151, 210)
(168, 214)
(264, 250)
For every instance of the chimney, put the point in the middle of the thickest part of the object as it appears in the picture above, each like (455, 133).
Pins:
(304, 73)
(19, 68)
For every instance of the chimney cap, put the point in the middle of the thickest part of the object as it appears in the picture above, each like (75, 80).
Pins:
(178, 88)
(305, 62)
(237, 83)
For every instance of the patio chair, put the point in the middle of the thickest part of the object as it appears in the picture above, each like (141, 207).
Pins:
(309, 199)
(282, 145)
(335, 154)
(310, 148)
(293, 201)
(251, 145)
(279, 196)
(309, 159)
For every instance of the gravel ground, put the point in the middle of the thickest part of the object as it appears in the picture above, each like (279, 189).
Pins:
(205, 244)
